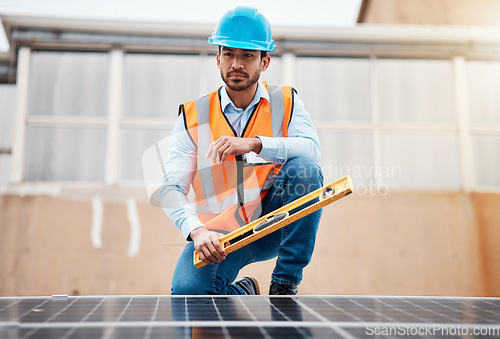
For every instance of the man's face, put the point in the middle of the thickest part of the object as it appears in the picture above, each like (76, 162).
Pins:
(240, 68)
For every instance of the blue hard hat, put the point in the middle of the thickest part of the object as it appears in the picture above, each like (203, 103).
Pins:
(245, 28)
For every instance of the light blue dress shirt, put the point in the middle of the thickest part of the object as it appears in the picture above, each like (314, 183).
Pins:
(180, 165)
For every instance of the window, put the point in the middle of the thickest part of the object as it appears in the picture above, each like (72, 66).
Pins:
(420, 160)
(415, 90)
(486, 150)
(68, 84)
(156, 84)
(7, 112)
(66, 129)
(483, 80)
(484, 87)
(65, 154)
(134, 142)
(335, 88)
(348, 152)
(391, 121)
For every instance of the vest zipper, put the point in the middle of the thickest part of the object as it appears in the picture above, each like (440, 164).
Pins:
(240, 187)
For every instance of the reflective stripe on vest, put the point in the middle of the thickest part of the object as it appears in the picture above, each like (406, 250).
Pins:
(215, 186)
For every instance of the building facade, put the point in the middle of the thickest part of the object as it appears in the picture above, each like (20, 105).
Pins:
(410, 112)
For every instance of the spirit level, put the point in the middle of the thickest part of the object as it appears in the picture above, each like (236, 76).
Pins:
(281, 217)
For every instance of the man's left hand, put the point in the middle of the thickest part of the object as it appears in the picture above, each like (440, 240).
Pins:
(221, 148)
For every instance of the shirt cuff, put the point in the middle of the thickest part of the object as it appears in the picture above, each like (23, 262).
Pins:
(189, 225)
(272, 150)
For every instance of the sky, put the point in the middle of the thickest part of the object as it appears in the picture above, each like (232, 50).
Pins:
(322, 13)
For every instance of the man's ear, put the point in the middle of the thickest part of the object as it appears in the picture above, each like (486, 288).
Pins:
(218, 60)
(264, 63)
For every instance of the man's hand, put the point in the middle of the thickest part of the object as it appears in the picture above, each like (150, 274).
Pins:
(224, 146)
(208, 246)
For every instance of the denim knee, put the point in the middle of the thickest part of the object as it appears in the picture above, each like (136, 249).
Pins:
(305, 174)
(189, 287)
(182, 287)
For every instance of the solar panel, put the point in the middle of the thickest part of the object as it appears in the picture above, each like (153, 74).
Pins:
(248, 317)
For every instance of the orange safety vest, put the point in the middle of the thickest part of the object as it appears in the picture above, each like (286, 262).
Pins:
(228, 194)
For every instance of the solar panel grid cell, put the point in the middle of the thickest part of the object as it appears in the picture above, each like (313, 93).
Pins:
(241, 316)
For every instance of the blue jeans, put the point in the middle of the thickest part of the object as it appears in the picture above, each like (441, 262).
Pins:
(292, 244)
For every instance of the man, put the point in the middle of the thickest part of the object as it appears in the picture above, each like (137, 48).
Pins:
(246, 149)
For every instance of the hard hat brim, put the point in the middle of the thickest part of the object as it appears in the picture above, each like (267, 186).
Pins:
(251, 45)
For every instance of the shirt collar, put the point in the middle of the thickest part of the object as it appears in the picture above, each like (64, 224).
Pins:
(260, 93)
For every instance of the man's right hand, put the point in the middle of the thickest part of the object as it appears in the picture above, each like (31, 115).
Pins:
(208, 246)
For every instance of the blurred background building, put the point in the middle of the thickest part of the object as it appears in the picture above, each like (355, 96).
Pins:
(407, 102)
